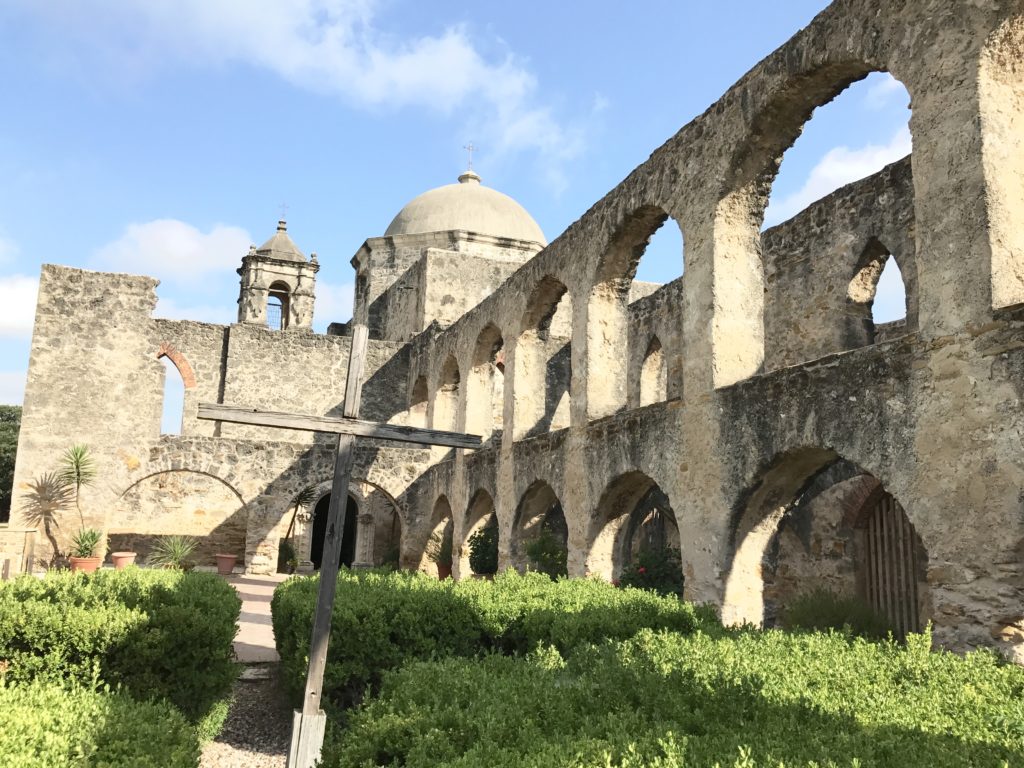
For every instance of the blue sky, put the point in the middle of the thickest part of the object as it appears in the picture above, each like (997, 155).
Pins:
(162, 137)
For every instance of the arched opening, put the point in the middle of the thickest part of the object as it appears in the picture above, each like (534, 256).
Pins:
(842, 144)
(485, 401)
(653, 374)
(543, 361)
(278, 299)
(173, 415)
(877, 297)
(480, 516)
(418, 403)
(608, 313)
(815, 521)
(438, 550)
(540, 534)
(633, 520)
(319, 532)
(446, 398)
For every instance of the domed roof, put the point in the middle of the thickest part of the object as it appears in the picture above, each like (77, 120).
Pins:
(469, 206)
(281, 246)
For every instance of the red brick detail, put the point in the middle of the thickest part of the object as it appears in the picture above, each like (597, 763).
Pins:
(171, 353)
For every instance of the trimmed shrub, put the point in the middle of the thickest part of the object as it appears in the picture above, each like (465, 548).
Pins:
(382, 620)
(52, 726)
(483, 550)
(745, 699)
(159, 634)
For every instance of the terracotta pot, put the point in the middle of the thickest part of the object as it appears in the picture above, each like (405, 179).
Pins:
(226, 564)
(85, 564)
(122, 559)
(443, 571)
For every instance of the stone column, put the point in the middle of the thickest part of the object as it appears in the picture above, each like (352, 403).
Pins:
(365, 533)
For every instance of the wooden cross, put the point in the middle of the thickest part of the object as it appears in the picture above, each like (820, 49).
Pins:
(309, 722)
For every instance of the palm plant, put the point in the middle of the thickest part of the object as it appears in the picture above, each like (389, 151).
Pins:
(48, 495)
(77, 469)
(300, 506)
(174, 552)
(85, 542)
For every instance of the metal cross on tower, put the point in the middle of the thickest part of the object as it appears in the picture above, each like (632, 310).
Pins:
(470, 148)
(308, 724)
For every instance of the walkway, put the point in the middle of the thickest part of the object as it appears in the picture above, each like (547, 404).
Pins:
(254, 643)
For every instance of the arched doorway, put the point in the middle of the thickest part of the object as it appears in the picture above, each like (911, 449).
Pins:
(815, 522)
(540, 535)
(348, 538)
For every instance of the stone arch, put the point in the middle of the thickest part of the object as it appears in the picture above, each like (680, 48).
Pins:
(180, 362)
(539, 512)
(803, 524)
(179, 501)
(278, 314)
(543, 361)
(479, 514)
(446, 396)
(863, 288)
(442, 524)
(632, 507)
(653, 374)
(608, 310)
(485, 395)
(418, 401)
(772, 129)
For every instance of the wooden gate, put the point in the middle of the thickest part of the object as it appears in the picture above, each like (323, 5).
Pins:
(892, 566)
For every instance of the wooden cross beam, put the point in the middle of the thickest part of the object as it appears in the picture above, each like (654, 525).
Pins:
(309, 723)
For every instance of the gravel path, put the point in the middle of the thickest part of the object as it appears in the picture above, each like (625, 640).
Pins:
(258, 727)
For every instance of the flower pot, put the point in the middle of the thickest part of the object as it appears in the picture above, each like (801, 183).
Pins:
(226, 564)
(122, 559)
(444, 571)
(85, 564)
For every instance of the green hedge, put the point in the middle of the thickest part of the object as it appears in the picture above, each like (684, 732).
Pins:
(46, 725)
(159, 634)
(381, 620)
(746, 699)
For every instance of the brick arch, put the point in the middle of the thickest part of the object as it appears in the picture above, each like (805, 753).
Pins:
(173, 354)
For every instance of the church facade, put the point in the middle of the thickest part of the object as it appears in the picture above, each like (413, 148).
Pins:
(749, 413)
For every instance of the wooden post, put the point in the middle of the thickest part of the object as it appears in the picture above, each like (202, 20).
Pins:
(308, 725)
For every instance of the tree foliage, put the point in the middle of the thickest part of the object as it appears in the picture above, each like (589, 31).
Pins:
(10, 424)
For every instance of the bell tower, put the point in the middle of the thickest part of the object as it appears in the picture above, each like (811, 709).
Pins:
(278, 285)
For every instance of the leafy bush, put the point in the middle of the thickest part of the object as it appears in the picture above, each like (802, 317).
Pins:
(744, 699)
(548, 553)
(381, 620)
(49, 726)
(822, 610)
(159, 634)
(174, 552)
(657, 569)
(483, 550)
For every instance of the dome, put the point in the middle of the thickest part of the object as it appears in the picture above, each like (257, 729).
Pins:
(469, 206)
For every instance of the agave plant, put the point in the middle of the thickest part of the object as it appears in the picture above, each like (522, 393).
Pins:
(48, 495)
(174, 552)
(77, 469)
(85, 542)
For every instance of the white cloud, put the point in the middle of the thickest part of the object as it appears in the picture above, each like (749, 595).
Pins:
(884, 88)
(327, 46)
(18, 298)
(333, 304)
(172, 250)
(840, 166)
(12, 387)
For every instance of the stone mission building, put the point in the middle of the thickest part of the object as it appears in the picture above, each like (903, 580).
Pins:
(749, 413)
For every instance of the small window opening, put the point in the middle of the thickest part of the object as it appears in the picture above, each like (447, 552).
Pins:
(174, 399)
(277, 307)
